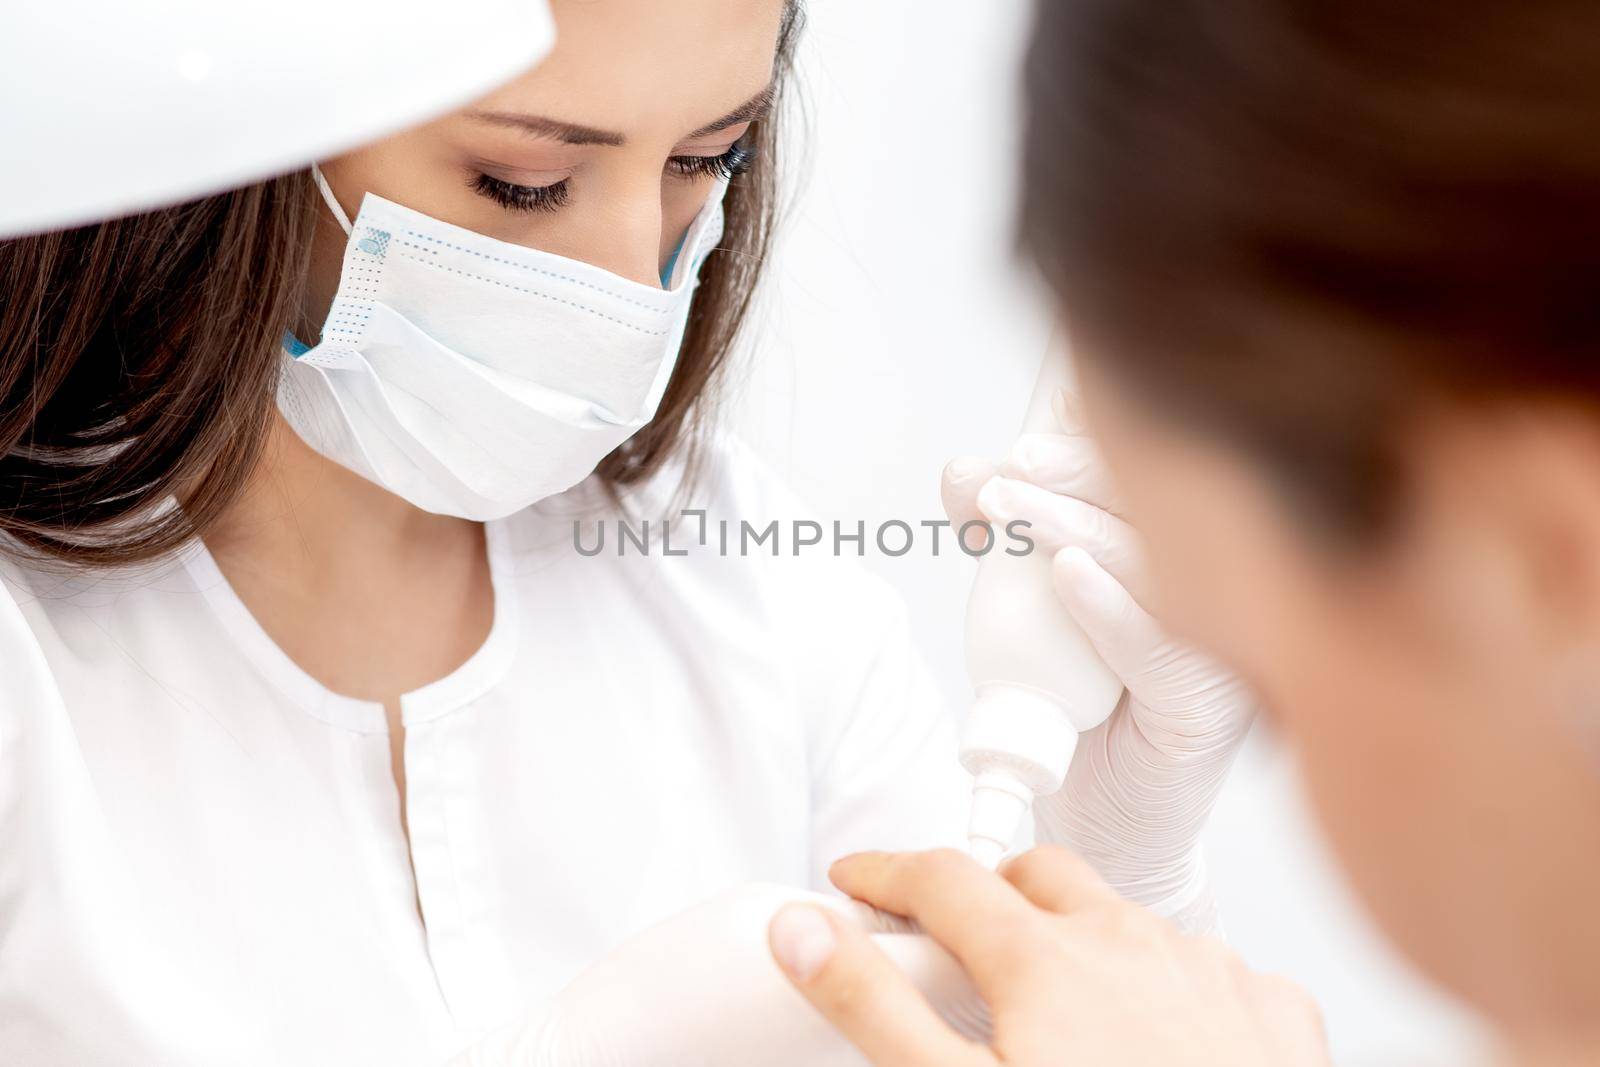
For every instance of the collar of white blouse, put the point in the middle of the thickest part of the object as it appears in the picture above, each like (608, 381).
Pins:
(481, 671)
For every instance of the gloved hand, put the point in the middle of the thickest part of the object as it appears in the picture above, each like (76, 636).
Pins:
(1142, 783)
(702, 990)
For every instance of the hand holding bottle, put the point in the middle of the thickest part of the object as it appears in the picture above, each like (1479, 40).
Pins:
(1140, 785)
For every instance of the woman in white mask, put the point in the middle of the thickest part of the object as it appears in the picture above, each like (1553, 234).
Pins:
(320, 740)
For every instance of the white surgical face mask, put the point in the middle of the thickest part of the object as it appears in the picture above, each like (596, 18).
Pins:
(474, 377)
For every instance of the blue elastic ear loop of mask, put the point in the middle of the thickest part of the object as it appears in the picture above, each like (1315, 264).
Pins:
(294, 346)
(672, 261)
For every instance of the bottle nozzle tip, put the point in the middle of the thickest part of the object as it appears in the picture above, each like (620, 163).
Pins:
(999, 804)
(986, 851)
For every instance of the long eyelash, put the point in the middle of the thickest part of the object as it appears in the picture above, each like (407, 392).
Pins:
(514, 197)
(735, 161)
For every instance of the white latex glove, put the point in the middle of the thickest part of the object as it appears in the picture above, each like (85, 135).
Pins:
(1141, 784)
(701, 989)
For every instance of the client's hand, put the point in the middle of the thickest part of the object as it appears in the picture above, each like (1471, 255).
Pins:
(1072, 973)
(701, 988)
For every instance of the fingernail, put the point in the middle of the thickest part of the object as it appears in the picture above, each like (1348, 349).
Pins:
(965, 469)
(996, 499)
(853, 857)
(802, 941)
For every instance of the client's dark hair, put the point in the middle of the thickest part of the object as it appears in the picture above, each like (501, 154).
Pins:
(1293, 219)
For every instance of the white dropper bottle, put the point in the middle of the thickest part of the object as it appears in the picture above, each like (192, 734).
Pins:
(1037, 680)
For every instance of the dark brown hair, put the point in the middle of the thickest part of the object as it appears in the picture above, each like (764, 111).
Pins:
(1290, 220)
(139, 358)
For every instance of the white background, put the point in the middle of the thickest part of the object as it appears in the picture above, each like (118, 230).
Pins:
(898, 331)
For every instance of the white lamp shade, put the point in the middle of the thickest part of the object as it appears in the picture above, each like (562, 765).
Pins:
(109, 107)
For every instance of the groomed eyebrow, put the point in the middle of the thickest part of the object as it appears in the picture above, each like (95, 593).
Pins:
(574, 134)
(539, 126)
(754, 108)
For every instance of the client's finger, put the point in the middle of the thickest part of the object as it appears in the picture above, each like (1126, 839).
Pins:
(941, 979)
(873, 920)
(980, 918)
(856, 988)
(1056, 880)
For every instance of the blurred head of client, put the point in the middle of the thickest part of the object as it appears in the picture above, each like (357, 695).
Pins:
(1330, 275)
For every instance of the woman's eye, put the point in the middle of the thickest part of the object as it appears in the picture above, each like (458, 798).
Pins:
(735, 161)
(515, 197)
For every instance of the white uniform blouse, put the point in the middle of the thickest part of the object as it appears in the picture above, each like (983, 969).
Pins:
(201, 858)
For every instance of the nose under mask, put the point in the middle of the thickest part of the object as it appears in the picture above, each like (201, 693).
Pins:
(473, 377)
